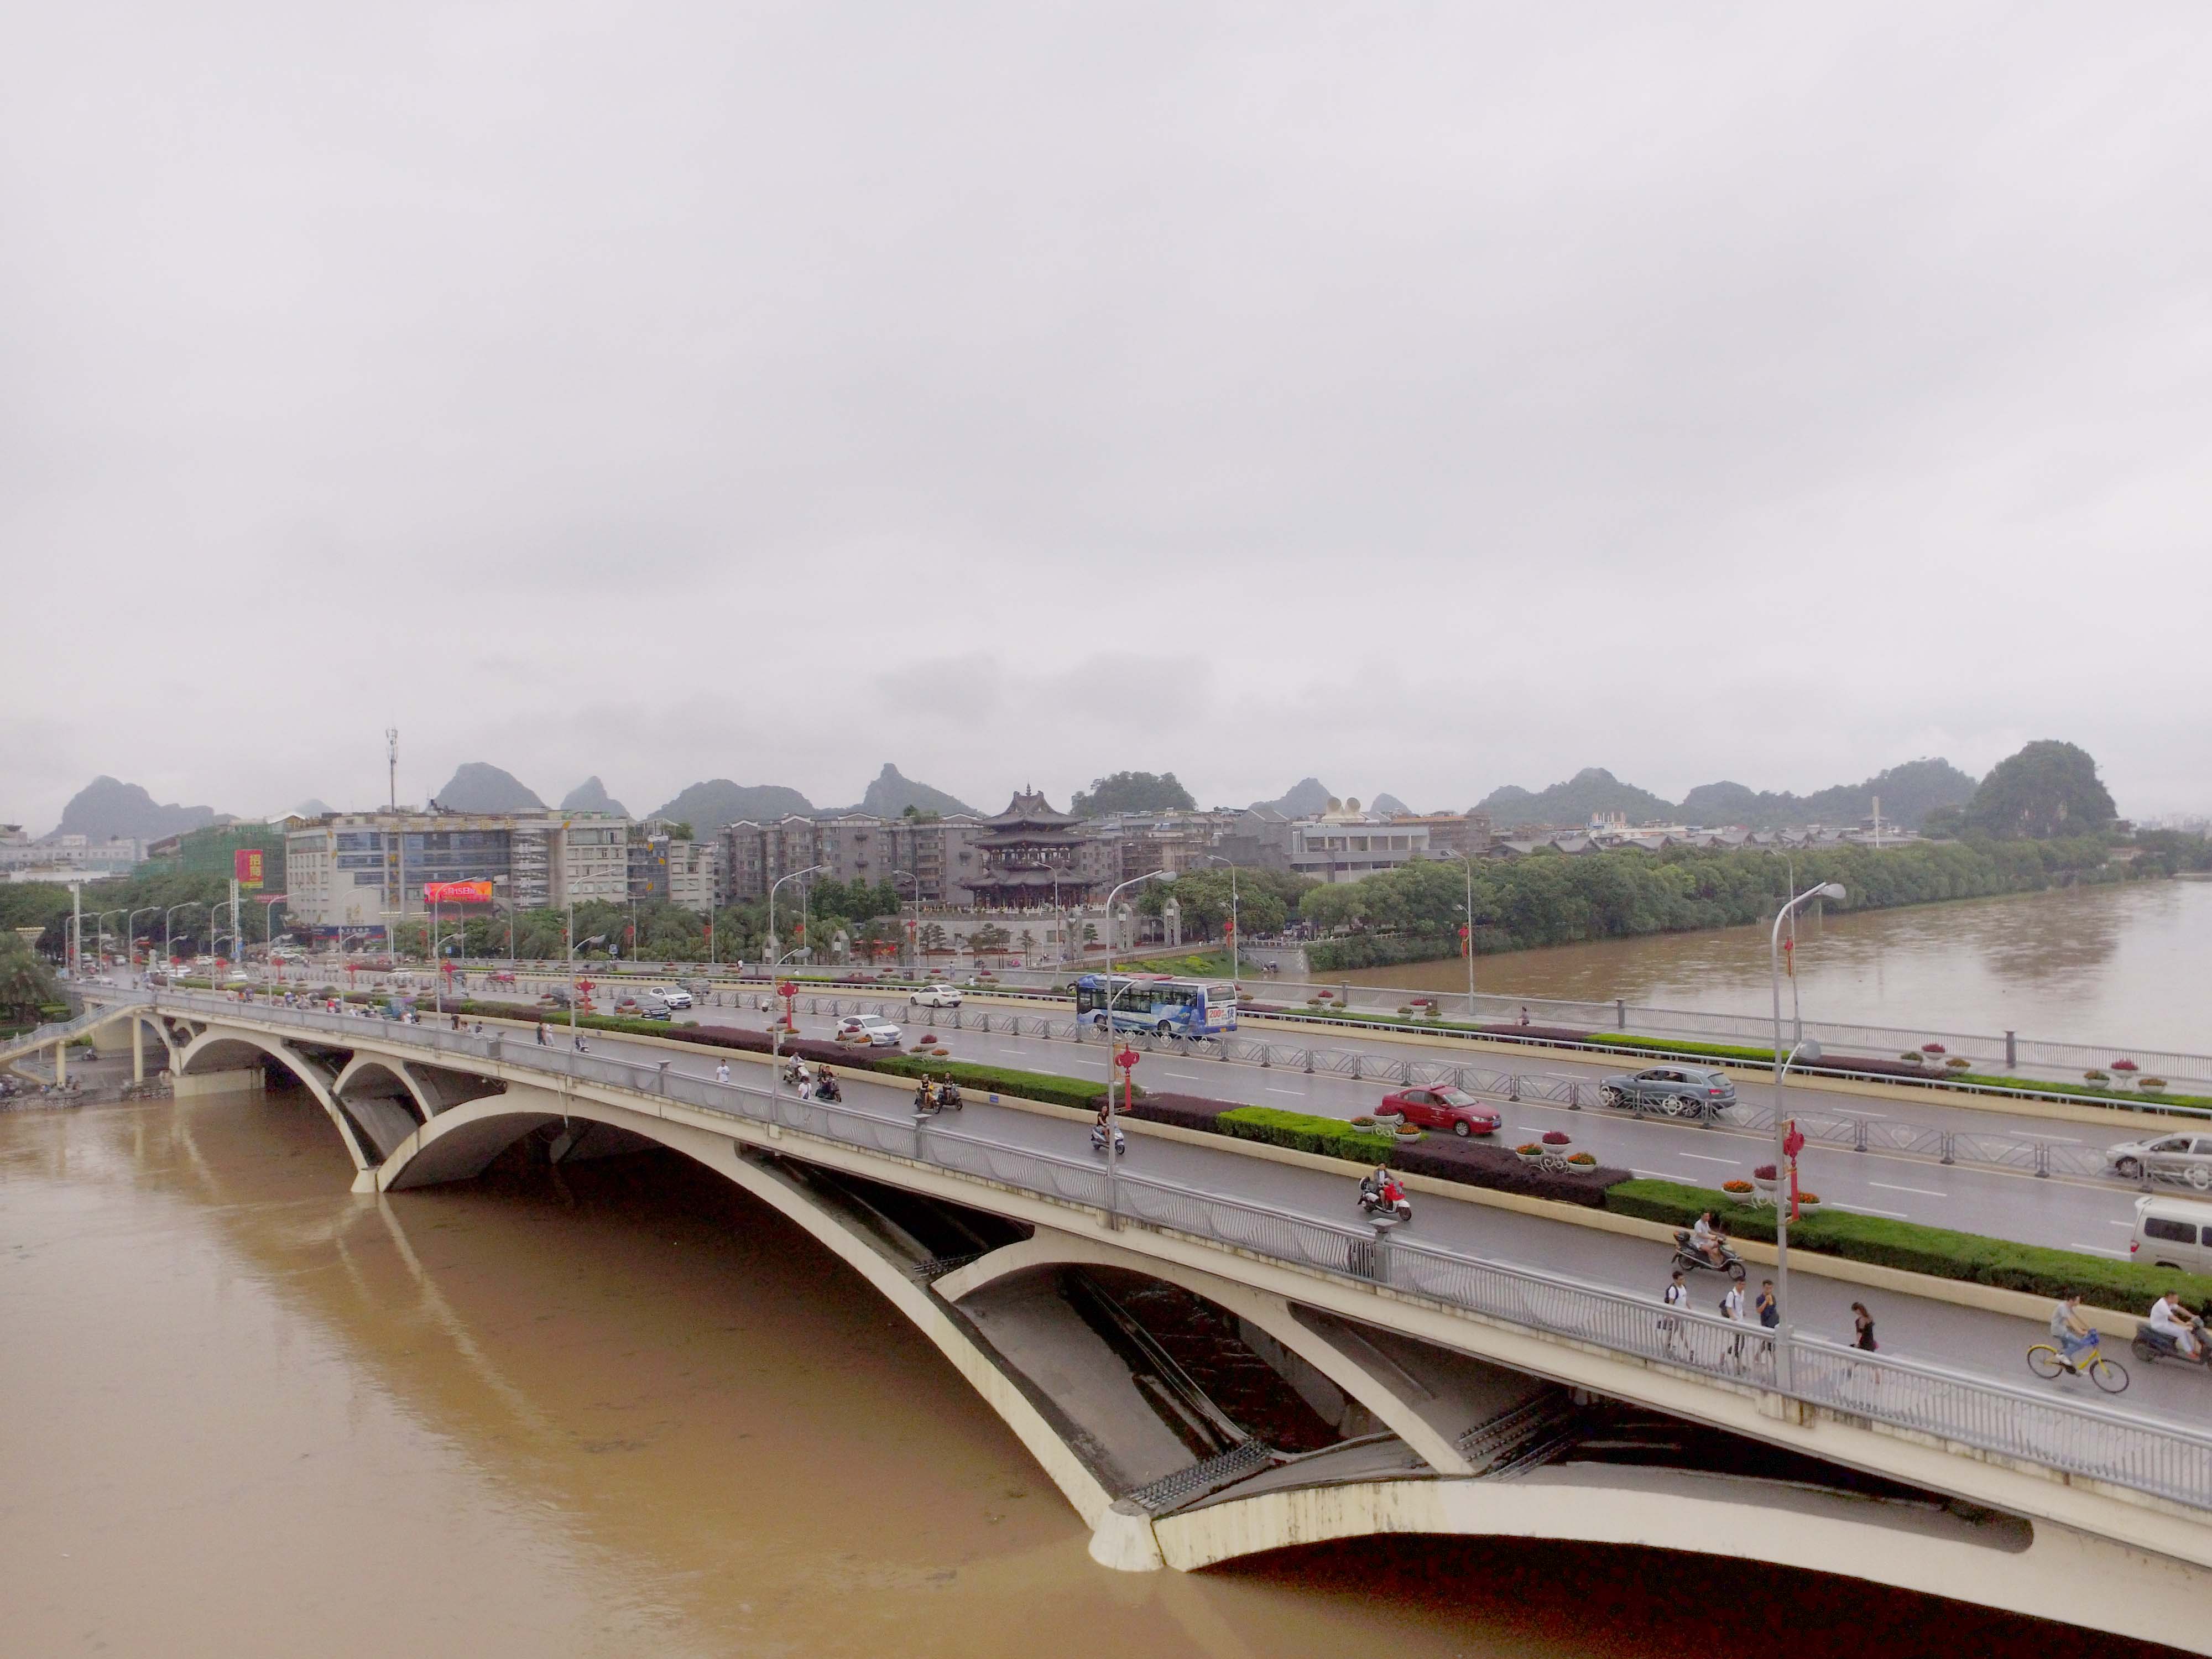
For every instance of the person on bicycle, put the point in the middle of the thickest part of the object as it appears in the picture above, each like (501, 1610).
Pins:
(2070, 1331)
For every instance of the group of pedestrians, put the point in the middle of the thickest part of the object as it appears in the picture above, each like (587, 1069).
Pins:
(1765, 1310)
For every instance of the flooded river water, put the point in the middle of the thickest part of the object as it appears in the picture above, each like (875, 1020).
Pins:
(2126, 966)
(624, 1410)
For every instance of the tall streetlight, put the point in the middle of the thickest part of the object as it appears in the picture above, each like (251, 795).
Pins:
(1830, 889)
(1470, 939)
(1235, 934)
(130, 926)
(99, 928)
(596, 938)
(908, 875)
(776, 1031)
(1113, 1190)
(168, 950)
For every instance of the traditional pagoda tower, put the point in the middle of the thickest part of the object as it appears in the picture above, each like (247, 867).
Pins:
(1026, 850)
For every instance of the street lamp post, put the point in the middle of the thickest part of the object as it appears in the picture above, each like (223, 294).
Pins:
(1782, 1063)
(596, 938)
(1470, 938)
(1236, 933)
(1113, 1190)
(131, 927)
(169, 948)
(775, 1029)
(916, 880)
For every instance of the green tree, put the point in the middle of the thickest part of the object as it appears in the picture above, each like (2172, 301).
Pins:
(1132, 792)
(2048, 789)
(26, 984)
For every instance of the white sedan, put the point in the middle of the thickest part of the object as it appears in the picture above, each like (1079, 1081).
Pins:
(674, 996)
(936, 996)
(872, 1029)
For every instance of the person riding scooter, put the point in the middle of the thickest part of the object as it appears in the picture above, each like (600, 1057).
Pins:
(1098, 1135)
(1379, 1194)
(826, 1086)
(794, 1073)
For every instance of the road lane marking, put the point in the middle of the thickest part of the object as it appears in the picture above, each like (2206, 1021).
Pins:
(1187, 1076)
(1868, 1209)
(2130, 1225)
(2099, 1249)
(1923, 1192)
(1275, 1090)
(1702, 1159)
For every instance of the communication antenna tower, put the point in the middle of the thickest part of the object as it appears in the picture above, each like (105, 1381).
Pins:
(391, 763)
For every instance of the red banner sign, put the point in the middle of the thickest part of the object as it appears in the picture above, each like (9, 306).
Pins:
(457, 892)
(245, 867)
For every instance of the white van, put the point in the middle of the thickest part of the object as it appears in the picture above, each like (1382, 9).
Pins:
(2173, 1232)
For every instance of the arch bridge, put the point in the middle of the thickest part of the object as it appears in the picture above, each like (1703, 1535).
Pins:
(1206, 1377)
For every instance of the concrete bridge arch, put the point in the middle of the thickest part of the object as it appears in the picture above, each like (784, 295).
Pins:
(458, 1144)
(228, 1059)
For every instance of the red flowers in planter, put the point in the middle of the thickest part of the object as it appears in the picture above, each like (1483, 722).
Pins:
(1933, 1049)
(1764, 1172)
(2123, 1065)
(1554, 1138)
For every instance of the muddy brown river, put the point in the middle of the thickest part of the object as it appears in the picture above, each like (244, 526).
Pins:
(2125, 966)
(624, 1410)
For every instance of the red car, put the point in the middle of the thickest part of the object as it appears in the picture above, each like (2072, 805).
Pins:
(1442, 1109)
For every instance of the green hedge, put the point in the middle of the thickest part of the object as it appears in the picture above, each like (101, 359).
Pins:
(1084, 1093)
(1669, 1045)
(1935, 1251)
(1332, 1137)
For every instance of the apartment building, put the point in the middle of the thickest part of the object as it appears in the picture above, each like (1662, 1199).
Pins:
(351, 872)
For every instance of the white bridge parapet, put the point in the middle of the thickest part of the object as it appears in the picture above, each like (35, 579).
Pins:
(2112, 1512)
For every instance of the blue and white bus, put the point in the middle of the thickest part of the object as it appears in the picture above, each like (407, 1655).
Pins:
(1157, 1002)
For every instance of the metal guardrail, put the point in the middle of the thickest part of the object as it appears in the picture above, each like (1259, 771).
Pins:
(1844, 1130)
(2080, 1439)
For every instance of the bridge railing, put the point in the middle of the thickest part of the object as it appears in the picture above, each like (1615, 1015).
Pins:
(2079, 1437)
(55, 1031)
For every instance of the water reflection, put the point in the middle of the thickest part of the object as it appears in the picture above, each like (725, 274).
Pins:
(628, 1411)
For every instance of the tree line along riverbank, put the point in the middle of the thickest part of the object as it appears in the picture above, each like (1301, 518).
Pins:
(1414, 913)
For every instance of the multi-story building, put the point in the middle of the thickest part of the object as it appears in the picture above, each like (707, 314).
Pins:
(1451, 835)
(694, 874)
(67, 858)
(1347, 845)
(932, 861)
(355, 871)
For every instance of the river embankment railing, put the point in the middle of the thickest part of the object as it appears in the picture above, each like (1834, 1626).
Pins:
(1822, 1124)
(2010, 1049)
(2078, 1438)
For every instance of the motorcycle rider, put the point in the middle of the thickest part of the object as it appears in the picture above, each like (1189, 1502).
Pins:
(2177, 1325)
(826, 1086)
(1709, 1238)
(1381, 1189)
(924, 1097)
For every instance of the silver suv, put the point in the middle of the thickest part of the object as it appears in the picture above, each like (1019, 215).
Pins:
(1676, 1090)
(2170, 1157)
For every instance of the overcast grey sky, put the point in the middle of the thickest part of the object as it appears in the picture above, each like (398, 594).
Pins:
(1425, 399)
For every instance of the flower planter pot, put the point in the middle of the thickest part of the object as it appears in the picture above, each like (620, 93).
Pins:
(1405, 1134)
(1764, 1186)
(1536, 1157)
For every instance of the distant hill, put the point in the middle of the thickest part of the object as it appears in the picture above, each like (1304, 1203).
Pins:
(1909, 792)
(1132, 792)
(591, 796)
(1591, 790)
(708, 806)
(479, 786)
(1388, 804)
(106, 807)
(1302, 799)
(891, 795)
(311, 808)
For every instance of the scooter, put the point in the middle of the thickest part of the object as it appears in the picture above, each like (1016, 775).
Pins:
(1689, 1258)
(1375, 1204)
(2151, 1346)
(796, 1074)
(1099, 1140)
(826, 1089)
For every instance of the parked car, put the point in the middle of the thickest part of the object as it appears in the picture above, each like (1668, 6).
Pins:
(1442, 1109)
(2171, 1157)
(674, 996)
(871, 1029)
(647, 1007)
(553, 1000)
(1677, 1090)
(936, 996)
